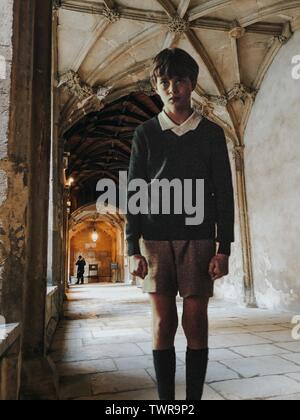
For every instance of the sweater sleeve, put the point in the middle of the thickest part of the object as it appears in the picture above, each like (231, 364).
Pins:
(137, 169)
(222, 179)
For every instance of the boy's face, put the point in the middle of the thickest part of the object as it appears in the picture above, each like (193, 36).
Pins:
(176, 92)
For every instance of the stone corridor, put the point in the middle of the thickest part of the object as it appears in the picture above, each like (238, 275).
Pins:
(102, 349)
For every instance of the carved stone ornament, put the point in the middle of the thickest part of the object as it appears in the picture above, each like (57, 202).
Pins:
(283, 39)
(146, 87)
(72, 83)
(217, 100)
(238, 153)
(102, 92)
(113, 15)
(237, 31)
(56, 4)
(241, 92)
(178, 25)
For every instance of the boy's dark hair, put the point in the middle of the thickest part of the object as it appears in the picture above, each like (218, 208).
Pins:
(173, 62)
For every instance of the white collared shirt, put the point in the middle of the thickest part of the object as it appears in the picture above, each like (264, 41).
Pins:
(190, 124)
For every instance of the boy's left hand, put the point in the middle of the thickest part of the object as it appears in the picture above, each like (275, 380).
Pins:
(219, 266)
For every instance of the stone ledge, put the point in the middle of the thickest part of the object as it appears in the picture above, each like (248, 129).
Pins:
(51, 290)
(9, 334)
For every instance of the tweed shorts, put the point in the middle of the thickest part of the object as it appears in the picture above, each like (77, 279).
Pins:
(179, 266)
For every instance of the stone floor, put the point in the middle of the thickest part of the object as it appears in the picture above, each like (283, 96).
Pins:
(103, 349)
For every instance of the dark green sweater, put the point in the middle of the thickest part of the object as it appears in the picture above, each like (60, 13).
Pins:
(198, 154)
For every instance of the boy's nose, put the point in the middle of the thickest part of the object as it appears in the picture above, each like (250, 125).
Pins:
(173, 88)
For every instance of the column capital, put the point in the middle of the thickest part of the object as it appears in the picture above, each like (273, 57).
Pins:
(74, 85)
(241, 92)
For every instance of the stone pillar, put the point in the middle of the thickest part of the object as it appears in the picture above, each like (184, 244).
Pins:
(245, 230)
(57, 173)
(13, 166)
(10, 374)
(25, 282)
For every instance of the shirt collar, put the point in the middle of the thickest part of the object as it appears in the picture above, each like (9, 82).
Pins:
(190, 124)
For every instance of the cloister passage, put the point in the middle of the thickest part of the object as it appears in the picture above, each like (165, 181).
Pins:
(74, 87)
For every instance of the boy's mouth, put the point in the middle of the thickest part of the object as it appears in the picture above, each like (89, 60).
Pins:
(174, 99)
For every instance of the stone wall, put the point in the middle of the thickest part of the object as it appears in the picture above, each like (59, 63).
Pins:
(273, 179)
(232, 286)
(6, 20)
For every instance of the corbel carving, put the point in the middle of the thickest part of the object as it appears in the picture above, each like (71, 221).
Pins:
(241, 92)
(72, 83)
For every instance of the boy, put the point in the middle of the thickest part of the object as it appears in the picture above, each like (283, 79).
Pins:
(175, 256)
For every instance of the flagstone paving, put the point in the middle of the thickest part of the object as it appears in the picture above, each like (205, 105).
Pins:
(103, 350)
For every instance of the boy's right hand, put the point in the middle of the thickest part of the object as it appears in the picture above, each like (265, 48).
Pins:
(138, 266)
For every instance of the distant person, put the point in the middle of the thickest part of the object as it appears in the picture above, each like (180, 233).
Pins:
(80, 271)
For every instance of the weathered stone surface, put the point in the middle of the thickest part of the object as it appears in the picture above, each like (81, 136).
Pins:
(262, 366)
(120, 373)
(121, 381)
(272, 154)
(257, 388)
(259, 350)
(85, 368)
(6, 22)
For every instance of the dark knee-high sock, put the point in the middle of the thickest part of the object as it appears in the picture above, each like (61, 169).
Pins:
(196, 368)
(165, 369)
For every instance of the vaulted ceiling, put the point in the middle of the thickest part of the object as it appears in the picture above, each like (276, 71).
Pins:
(104, 53)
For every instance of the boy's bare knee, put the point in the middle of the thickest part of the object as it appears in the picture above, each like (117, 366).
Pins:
(165, 327)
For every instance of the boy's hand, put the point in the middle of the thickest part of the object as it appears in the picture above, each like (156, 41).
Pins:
(138, 266)
(219, 266)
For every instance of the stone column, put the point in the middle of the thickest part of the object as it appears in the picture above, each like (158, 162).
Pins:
(24, 164)
(57, 172)
(13, 157)
(245, 230)
(37, 373)
(10, 374)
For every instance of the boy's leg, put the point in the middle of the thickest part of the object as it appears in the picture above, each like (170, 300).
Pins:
(164, 324)
(195, 325)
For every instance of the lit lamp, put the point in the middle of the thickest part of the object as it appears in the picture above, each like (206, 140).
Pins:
(95, 236)
(70, 181)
